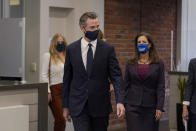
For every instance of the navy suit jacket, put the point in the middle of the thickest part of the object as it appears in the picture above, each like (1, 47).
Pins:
(149, 92)
(190, 91)
(78, 88)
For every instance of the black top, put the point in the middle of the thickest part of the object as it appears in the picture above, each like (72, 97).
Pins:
(142, 70)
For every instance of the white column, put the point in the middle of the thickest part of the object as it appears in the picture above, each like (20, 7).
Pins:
(1, 9)
(188, 35)
(44, 28)
(5, 8)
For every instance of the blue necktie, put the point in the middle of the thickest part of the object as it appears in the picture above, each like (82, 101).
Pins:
(89, 59)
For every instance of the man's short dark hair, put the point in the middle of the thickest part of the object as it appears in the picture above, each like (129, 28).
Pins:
(85, 16)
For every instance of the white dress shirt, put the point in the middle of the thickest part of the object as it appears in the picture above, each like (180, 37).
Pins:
(56, 71)
(84, 49)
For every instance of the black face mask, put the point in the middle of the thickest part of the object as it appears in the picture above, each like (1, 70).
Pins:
(92, 35)
(60, 46)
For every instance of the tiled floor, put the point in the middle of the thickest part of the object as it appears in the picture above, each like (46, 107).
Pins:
(164, 126)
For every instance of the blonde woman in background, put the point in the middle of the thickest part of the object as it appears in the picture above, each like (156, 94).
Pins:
(52, 73)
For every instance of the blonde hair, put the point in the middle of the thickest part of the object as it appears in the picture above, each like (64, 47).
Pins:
(53, 52)
(101, 35)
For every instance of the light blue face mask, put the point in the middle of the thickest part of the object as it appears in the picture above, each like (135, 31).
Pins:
(142, 48)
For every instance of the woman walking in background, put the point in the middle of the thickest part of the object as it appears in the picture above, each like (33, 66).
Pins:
(145, 86)
(52, 72)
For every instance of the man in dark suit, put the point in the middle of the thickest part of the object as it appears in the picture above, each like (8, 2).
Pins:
(90, 63)
(190, 95)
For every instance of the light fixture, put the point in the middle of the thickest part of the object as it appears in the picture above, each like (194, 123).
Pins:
(14, 2)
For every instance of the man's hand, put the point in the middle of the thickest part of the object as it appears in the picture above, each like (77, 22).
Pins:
(185, 113)
(111, 88)
(120, 110)
(66, 115)
(158, 114)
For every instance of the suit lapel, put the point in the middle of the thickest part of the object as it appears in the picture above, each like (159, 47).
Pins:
(152, 69)
(97, 54)
(135, 70)
(78, 50)
(149, 71)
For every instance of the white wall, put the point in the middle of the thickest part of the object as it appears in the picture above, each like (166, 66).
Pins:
(16, 116)
(44, 27)
(188, 33)
(83, 6)
(60, 21)
(32, 40)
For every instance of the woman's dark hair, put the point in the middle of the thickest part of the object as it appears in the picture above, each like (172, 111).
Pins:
(152, 51)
